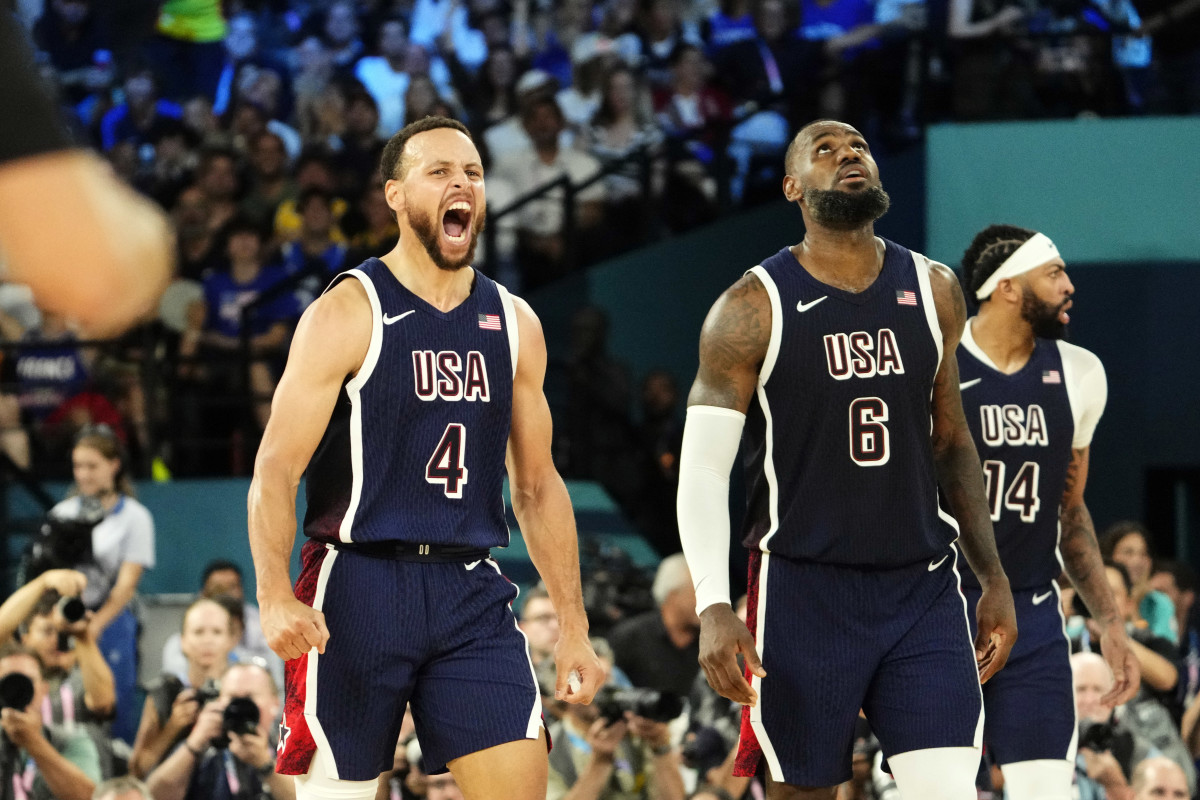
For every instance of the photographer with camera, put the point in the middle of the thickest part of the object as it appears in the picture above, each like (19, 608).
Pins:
(172, 705)
(229, 753)
(1108, 750)
(38, 762)
(53, 623)
(617, 748)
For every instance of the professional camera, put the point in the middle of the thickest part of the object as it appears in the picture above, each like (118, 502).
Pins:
(240, 717)
(1096, 736)
(16, 691)
(209, 690)
(63, 542)
(71, 608)
(612, 703)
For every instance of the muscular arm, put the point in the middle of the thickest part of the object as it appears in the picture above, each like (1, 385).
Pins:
(331, 343)
(955, 457)
(733, 344)
(961, 479)
(543, 509)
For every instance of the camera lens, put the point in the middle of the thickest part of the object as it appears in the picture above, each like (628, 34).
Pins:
(16, 691)
(72, 609)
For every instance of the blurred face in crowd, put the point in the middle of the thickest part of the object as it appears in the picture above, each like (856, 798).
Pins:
(249, 680)
(28, 666)
(690, 70)
(771, 20)
(268, 157)
(543, 123)
(501, 68)
(139, 89)
(72, 12)
(316, 217)
(1162, 779)
(207, 637)
(621, 91)
(1092, 680)
(95, 475)
(242, 39)
(442, 787)
(416, 60)
(225, 581)
(311, 55)
(393, 39)
(540, 625)
(361, 116)
(441, 196)
(1132, 553)
(219, 181)
(41, 636)
(420, 98)
(315, 174)
(375, 208)
(341, 26)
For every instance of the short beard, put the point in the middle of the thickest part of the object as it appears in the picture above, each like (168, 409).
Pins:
(846, 211)
(428, 233)
(1042, 316)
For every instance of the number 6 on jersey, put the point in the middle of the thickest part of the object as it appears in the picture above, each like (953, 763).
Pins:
(447, 465)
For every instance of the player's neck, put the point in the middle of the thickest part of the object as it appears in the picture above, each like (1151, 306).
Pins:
(1008, 343)
(849, 260)
(412, 266)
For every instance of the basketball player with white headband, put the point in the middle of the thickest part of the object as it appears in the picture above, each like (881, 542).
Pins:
(1032, 402)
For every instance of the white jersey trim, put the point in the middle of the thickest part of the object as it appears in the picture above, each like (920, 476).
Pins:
(510, 325)
(977, 742)
(1073, 746)
(353, 391)
(923, 266)
(972, 347)
(533, 728)
(310, 684)
(768, 283)
(1087, 390)
(756, 720)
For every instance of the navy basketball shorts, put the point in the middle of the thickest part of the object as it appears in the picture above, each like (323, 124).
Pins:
(439, 635)
(1031, 702)
(833, 640)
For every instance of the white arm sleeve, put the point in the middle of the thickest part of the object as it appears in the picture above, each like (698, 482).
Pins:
(1087, 390)
(710, 445)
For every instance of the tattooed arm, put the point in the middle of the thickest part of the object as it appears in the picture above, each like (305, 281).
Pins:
(733, 345)
(961, 481)
(1081, 557)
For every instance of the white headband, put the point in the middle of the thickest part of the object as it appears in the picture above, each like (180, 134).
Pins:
(1034, 253)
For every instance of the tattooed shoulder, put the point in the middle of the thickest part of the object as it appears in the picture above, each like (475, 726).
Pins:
(734, 342)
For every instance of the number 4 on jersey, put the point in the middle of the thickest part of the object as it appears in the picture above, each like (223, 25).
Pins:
(447, 465)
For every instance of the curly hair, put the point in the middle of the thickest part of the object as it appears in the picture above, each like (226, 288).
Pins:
(989, 249)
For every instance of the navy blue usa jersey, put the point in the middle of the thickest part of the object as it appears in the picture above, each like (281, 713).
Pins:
(414, 450)
(837, 439)
(1025, 426)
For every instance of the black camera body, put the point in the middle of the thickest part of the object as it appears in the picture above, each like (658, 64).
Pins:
(240, 717)
(612, 703)
(63, 542)
(209, 690)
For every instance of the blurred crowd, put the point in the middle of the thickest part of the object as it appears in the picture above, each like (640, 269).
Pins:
(76, 725)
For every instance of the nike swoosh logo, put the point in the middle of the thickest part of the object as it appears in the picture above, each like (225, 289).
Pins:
(802, 306)
(937, 563)
(389, 320)
(968, 384)
(1038, 599)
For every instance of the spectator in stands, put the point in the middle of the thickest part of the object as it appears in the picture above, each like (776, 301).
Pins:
(1177, 581)
(380, 232)
(490, 95)
(358, 159)
(171, 707)
(143, 117)
(659, 648)
(314, 170)
(659, 439)
(1128, 543)
(224, 578)
(78, 44)
(270, 181)
(442, 787)
(217, 179)
(203, 768)
(598, 758)
(1107, 749)
(122, 549)
(542, 248)
(623, 127)
(730, 21)
(312, 71)
(1155, 654)
(317, 251)
(386, 76)
(54, 764)
(580, 99)
(660, 30)
(1175, 28)
(341, 30)
(80, 690)
(991, 70)
(539, 623)
(197, 252)
(423, 99)
(188, 50)
(1159, 778)
(125, 787)
(241, 54)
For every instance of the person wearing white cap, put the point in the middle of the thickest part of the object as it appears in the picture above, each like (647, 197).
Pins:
(1032, 402)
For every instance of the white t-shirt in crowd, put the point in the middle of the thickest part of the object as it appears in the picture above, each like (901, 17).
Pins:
(125, 534)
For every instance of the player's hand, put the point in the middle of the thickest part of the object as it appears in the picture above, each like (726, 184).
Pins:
(722, 637)
(291, 627)
(579, 671)
(67, 582)
(1127, 675)
(997, 619)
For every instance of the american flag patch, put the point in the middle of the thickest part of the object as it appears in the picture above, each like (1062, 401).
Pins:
(1051, 376)
(906, 298)
(489, 322)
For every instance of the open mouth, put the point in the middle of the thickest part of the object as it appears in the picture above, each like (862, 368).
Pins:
(456, 222)
(1063, 316)
(854, 173)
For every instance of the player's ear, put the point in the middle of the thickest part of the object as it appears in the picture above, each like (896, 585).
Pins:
(792, 189)
(394, 192)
